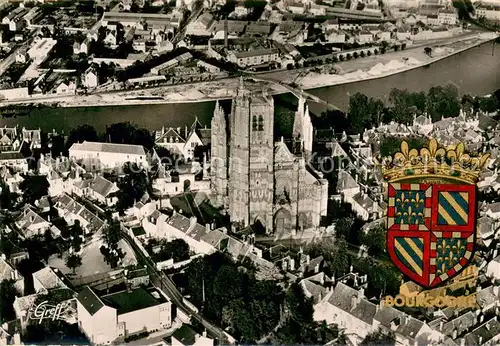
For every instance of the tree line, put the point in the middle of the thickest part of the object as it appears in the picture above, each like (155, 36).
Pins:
(401, 105)
(253, 310)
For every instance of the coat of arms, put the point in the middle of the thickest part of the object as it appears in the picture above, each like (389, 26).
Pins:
(431, 213)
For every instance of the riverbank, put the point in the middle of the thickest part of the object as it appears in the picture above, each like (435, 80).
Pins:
(356, 70)
(381, 66)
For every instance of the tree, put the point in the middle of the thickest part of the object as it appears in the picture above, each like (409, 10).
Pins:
(469, 103)
(489, 104)
(112, 234)
(80, 134)
(384, 279)
(34, 187)
(176, 249)
(355, 55)
(375, 240)
(428, 51)
(389, 145)
(405, 104)
(378, 339)
(340, 258)
(343, 226)
(363, 112)
(464, 9)
(403, 46)
(7, 296)
(7, 199)
(443, 102)
(126, 133)
(73, 261)
(132, 186)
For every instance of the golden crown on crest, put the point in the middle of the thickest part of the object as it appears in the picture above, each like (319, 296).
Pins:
(434, 161)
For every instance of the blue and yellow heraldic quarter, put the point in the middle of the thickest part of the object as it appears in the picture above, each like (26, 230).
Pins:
(432, 211)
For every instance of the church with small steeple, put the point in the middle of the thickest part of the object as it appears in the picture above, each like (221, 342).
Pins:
(259, 181)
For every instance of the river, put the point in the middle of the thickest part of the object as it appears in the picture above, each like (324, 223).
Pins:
(475, 71)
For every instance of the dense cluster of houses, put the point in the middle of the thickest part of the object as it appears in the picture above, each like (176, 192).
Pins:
(282, 36)
(104, 316)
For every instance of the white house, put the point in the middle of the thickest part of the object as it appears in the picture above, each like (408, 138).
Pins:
(31, 224)
(490, 11)
(317, 10)
(253, 57)
(98, 189)
(407, 330)
(81, 47)
(90, 79)
(181, 227)
(118, 315)
(107, 155)
(296, 7)
(21, 56)
(185, 335)
(335, 36)
(364, 36)
(41, 49)
(493, 268)
(73, 211)
(183, 143)
(65, 88)
(348, 308)
(447, 16)
(201, 26)
(111, 39)
(7, 272)
(11, 179)
(493, 210)
(47, 279)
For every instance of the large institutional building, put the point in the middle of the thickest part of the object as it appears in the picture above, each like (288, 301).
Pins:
(258, 180)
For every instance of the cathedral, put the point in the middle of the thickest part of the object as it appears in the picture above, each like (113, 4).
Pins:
(259, 180)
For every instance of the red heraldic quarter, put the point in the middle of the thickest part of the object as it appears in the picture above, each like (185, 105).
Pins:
(431, 230)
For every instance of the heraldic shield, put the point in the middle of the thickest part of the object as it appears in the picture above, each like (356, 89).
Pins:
(431, 213)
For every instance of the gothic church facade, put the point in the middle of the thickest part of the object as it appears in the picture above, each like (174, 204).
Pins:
(258, 180)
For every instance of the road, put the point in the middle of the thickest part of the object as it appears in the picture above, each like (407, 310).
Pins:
(162, 281)
(182, 30)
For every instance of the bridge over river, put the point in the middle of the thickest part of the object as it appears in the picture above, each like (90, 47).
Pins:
(297, 92)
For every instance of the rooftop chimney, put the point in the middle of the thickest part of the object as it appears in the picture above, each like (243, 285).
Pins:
(441, 326)
(354, 302)
(496, 290)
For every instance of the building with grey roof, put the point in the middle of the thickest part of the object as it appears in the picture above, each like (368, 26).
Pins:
(107, 155)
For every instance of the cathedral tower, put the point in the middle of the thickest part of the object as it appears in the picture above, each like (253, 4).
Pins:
(251, 159)
(302, 127)
(218, 167)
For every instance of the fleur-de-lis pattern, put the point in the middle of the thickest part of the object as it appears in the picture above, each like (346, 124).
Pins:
(452, 161)
(449, 251)
(410, 207)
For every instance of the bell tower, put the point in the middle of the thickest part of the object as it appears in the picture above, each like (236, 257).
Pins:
(251, 156)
